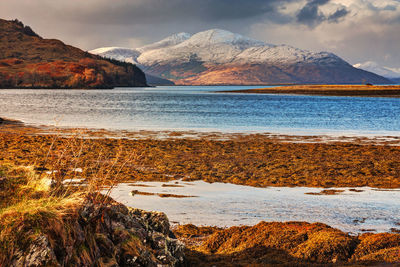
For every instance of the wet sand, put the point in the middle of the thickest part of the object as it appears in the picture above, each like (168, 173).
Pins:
(330, 90)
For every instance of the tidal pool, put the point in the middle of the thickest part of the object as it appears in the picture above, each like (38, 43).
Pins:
(225, 205)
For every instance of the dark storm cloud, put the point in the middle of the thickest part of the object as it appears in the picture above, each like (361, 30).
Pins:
(340, 13)
(110, 23)
(155, 11)
(311, 15)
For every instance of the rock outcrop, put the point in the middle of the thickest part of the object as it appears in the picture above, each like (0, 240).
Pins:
(105, 235)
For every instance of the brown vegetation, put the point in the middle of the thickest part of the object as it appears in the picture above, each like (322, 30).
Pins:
(288, 244)
(330, 90)
(327, 192)
(254, 160)
(29, 61)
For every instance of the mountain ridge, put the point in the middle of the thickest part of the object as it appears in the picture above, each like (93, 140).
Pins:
(390, 73)
(217, 56)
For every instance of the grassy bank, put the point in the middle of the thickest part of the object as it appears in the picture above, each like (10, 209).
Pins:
(29, 208)
(45, 224)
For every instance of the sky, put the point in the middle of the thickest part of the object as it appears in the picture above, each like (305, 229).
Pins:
(356, 30)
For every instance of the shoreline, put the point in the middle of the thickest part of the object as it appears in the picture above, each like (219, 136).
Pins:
(328, 90)
(384, 138)
(255, 160)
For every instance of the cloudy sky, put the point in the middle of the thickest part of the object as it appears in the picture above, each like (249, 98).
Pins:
(356, 30)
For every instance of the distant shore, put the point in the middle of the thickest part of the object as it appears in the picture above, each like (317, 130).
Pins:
(329, 90)
(10, 122)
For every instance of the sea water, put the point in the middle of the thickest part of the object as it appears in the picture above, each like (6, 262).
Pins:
(200, 108)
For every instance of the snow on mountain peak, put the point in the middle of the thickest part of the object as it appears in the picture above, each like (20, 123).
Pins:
(374, 67)
(118, 53)
(216, 46)
(167, 42)
(218, 36)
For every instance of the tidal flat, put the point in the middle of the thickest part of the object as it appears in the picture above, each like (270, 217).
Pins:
(350, 183)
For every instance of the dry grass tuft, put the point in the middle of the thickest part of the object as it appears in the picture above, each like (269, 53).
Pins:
(40, 199)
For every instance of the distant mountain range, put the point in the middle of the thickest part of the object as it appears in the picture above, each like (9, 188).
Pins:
(217, 57)
(390, 73)
(29, 61)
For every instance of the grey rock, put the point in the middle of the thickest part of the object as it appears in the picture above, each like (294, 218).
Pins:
(106, 235)
(38, 254)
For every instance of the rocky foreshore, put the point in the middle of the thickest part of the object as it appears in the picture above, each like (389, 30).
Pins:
(39, 226)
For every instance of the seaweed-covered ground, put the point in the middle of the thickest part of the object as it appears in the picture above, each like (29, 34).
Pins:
(254, 159)
(286, 244)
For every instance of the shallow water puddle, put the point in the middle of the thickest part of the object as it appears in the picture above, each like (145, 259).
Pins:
(228, 204)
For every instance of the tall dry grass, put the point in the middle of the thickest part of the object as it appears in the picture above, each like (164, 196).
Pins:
(35, 198)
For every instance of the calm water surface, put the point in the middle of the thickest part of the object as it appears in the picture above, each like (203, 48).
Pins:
(200, 109)
(228, 204)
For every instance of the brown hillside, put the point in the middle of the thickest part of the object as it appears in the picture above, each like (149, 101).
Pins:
(29, 61)
(200, 73)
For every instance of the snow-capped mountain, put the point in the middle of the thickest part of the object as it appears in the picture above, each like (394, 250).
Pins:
(118, 53)
(212, 46)
(222, 57)
(390, 73)
(167, 42)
